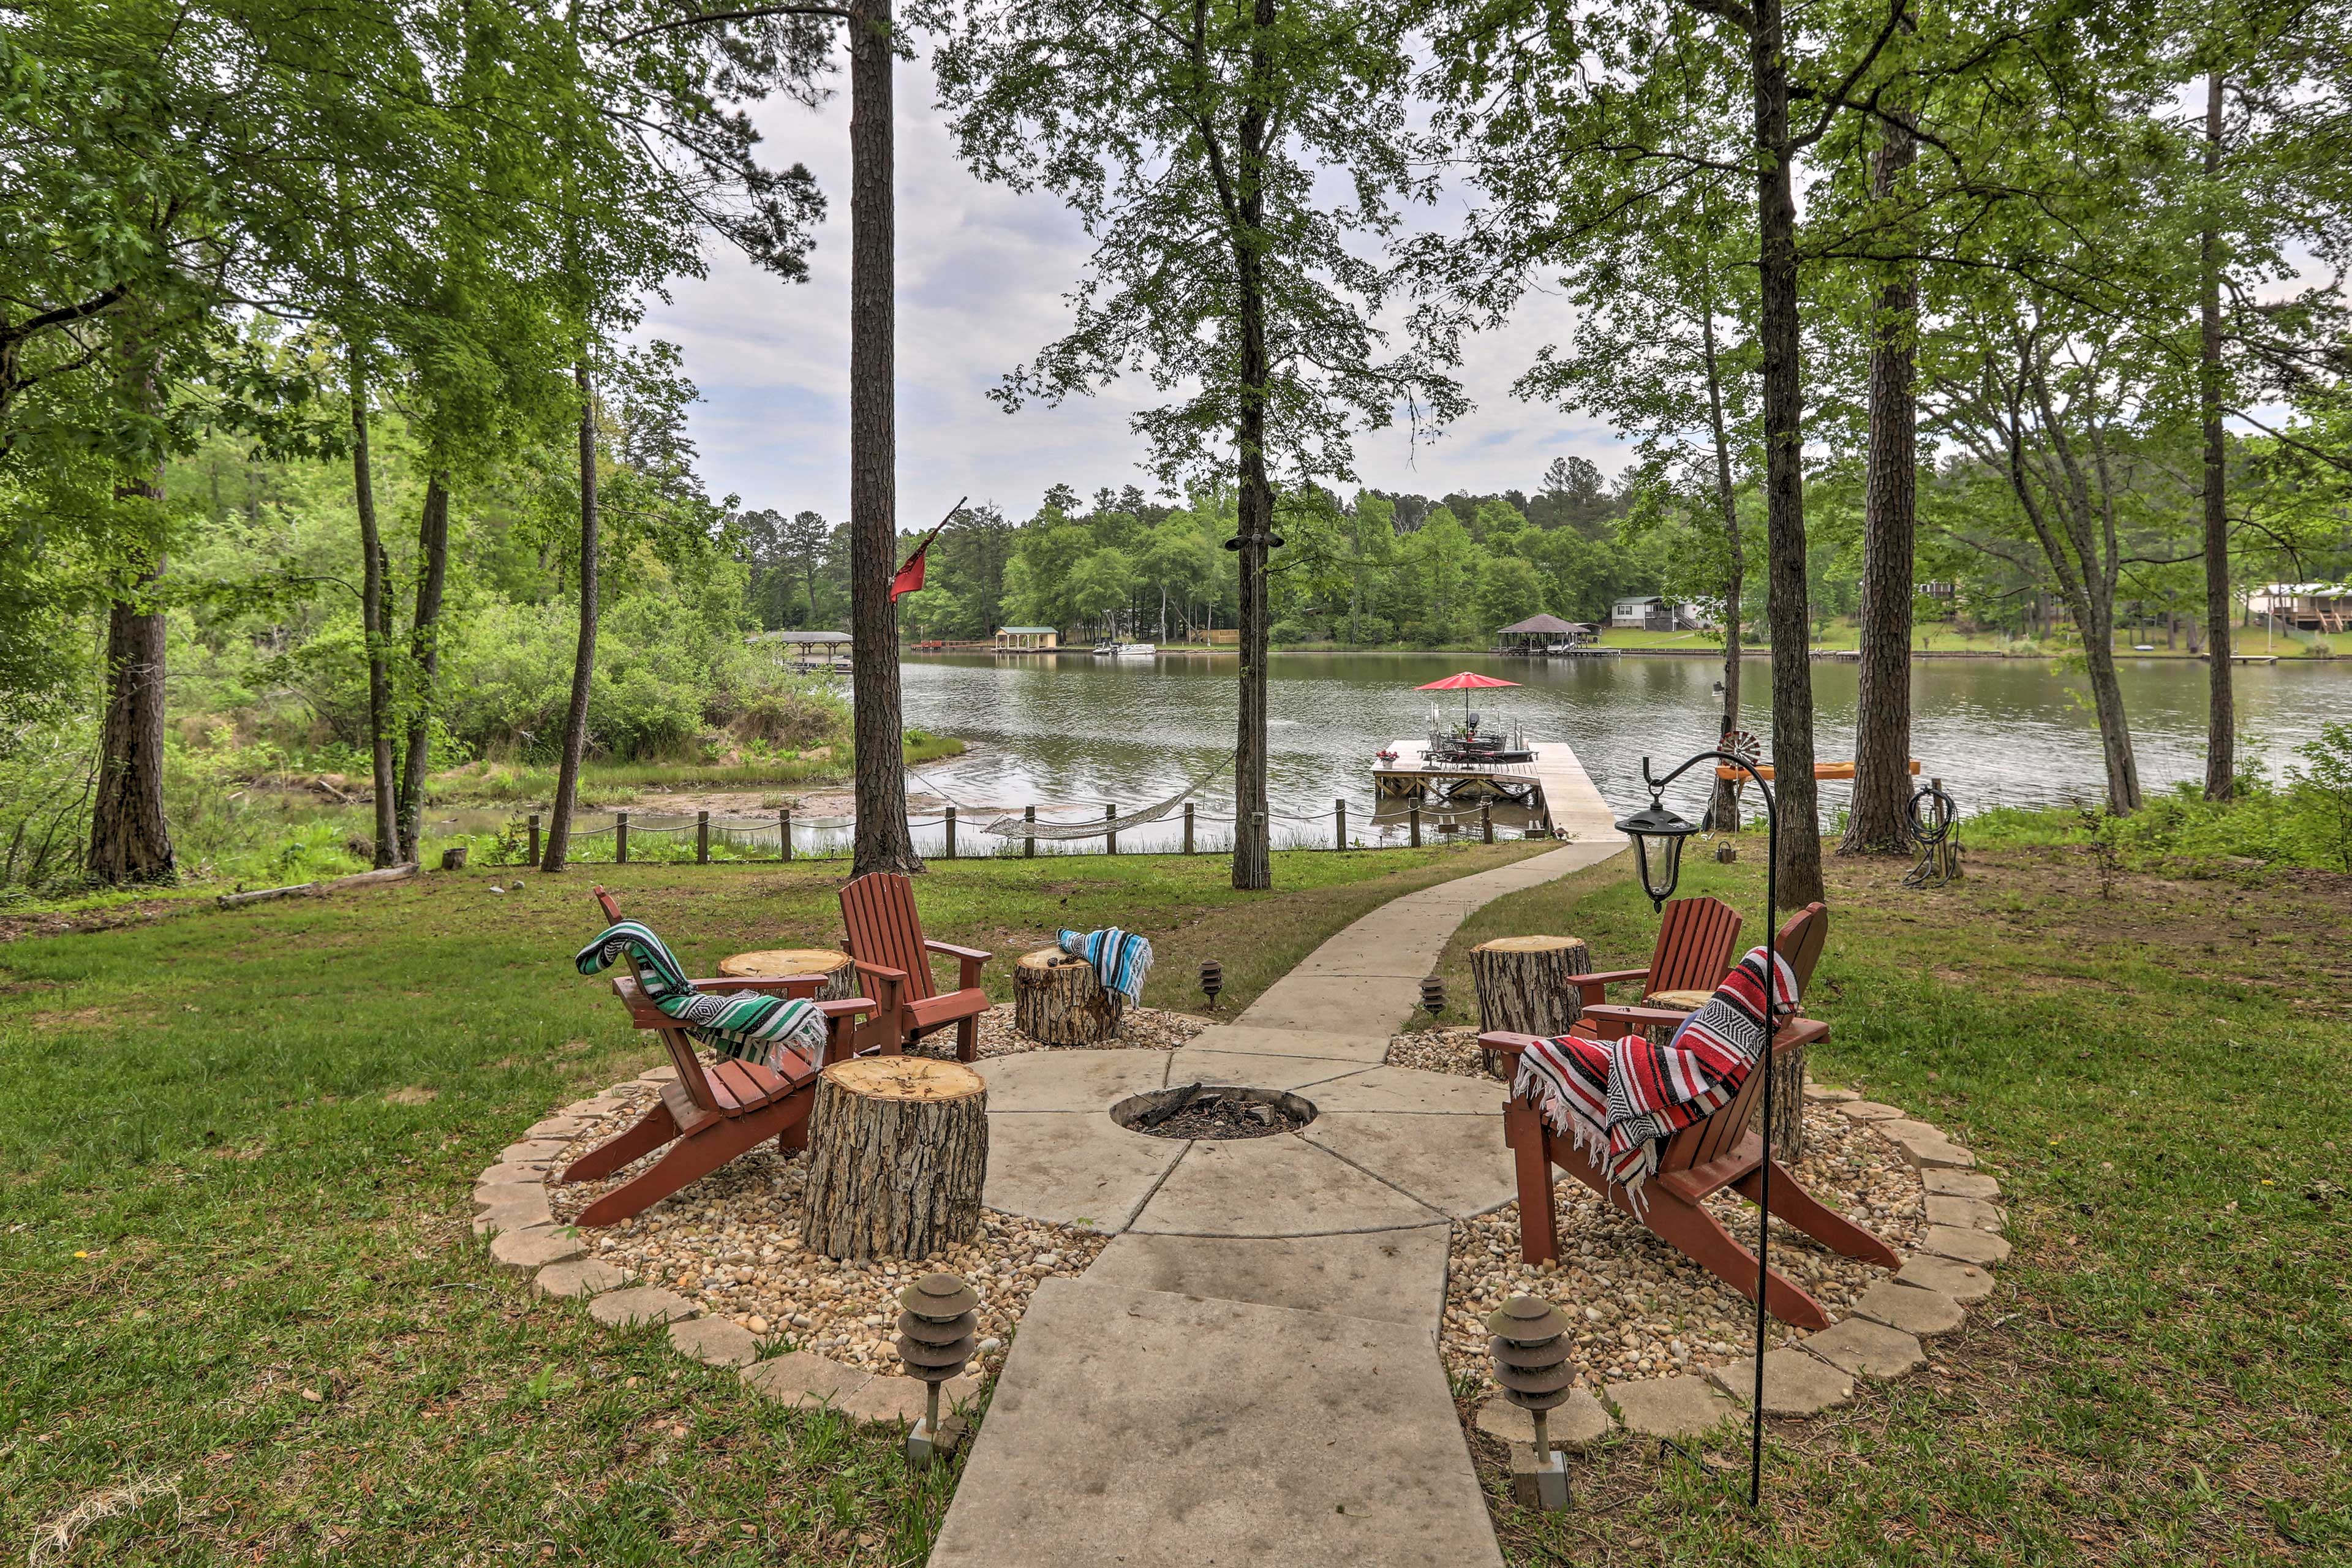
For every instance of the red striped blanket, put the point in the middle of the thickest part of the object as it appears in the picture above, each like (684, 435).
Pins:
(1622, 1099)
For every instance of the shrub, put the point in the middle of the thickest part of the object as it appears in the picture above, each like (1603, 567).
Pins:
(2322, 792)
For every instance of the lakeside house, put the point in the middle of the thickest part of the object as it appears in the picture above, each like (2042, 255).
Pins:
(1027, 639)
(1651, 613)
(2304, 606)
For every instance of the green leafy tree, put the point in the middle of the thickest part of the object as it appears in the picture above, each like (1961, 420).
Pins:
(1224, 159)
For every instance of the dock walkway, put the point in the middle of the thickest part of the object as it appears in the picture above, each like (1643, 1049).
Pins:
(1570, 801)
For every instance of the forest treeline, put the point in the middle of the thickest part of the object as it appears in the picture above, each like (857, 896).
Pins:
(325, 422)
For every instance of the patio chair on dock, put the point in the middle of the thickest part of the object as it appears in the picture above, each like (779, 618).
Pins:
(886, 942)
(715, 1110)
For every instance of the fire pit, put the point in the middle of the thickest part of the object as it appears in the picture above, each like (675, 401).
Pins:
(1212, 1111)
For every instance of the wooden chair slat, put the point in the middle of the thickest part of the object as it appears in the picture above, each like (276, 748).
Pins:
(877, 911)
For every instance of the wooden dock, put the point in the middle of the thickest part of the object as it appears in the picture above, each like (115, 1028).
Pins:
(1551, 782)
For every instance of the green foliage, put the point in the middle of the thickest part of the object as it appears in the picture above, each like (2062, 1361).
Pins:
(2322, 791)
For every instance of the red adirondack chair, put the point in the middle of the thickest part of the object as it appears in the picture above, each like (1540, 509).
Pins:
(1696, 1162)
(1695, 938)
(1803, 936)
(712, 1112)
(886, 942)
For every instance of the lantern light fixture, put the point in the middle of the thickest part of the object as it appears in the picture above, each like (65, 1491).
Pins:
(1658, 832)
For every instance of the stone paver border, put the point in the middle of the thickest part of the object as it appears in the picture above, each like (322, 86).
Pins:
(1881, 1340)
(511, 1203)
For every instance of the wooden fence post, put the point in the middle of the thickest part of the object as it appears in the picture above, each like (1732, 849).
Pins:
(702, 838)
(1413, 823)
(1339, 814)
(1188, 828)
(1486, 820)
(1029, 841)
(1111, 840)
(534, 838)
(620, 839)
(785, 833)
(950, 828)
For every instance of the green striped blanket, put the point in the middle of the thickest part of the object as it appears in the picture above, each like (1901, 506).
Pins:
(745, 1026)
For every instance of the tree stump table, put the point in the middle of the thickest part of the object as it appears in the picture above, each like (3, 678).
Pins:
(778, 962)
(1523, 987)
(898, 1152)
(1063, 1003)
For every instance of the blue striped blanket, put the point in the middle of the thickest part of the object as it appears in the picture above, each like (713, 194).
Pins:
(1121, 959)
(745, 1026)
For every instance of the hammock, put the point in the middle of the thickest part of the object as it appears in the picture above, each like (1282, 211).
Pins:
(1022, 828)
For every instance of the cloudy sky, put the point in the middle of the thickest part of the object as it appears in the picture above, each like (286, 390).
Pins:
(982, 272)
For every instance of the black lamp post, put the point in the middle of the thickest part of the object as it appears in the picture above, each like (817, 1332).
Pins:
(1658, 833)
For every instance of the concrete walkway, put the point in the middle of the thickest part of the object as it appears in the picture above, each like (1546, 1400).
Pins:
(1248, 1373)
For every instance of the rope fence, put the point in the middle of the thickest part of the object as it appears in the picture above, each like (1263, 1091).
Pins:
(960, 836)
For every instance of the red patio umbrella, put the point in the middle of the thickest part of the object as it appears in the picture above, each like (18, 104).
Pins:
(1467, 681)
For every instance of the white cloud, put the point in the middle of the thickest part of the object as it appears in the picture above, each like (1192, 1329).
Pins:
(982, 275)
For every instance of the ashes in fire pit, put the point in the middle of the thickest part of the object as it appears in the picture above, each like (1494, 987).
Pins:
(1218, 1111)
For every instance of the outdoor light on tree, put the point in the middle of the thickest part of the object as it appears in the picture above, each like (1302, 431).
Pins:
(1658, 832)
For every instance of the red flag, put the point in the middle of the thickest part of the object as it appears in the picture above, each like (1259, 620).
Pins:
(909, 579)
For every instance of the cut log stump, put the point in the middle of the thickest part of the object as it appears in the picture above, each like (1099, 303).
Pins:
(898, 1155)
(1064, 1003)
(786, 962)
(1523, 987)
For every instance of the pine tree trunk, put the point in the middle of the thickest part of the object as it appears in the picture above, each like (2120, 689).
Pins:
(883, 842)
(1798, 864)
(374, 603)
(1253, 843)
(583, 656)
(130, 839)
(2220, 706)
(425, 652)
(1882, 743)
(897, 1157)
(1723, 811)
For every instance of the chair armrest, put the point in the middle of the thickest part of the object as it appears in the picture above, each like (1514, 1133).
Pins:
(1592, 984)
(1507, 1045)
(968, 962)
(1640, 1018)
(889, 984)
(1795, 1031)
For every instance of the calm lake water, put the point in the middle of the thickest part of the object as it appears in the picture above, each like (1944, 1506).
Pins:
(1072, 731)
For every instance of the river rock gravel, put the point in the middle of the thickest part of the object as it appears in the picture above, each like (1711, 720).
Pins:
(1642, 1309)
(731, 1244)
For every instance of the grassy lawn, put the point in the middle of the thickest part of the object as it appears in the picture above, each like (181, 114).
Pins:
(240, 1312)
(2161, 1375)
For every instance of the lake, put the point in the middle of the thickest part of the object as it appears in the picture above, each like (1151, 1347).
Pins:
(1068, 733)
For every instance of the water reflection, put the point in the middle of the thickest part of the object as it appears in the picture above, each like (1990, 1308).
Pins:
(1069, 733)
